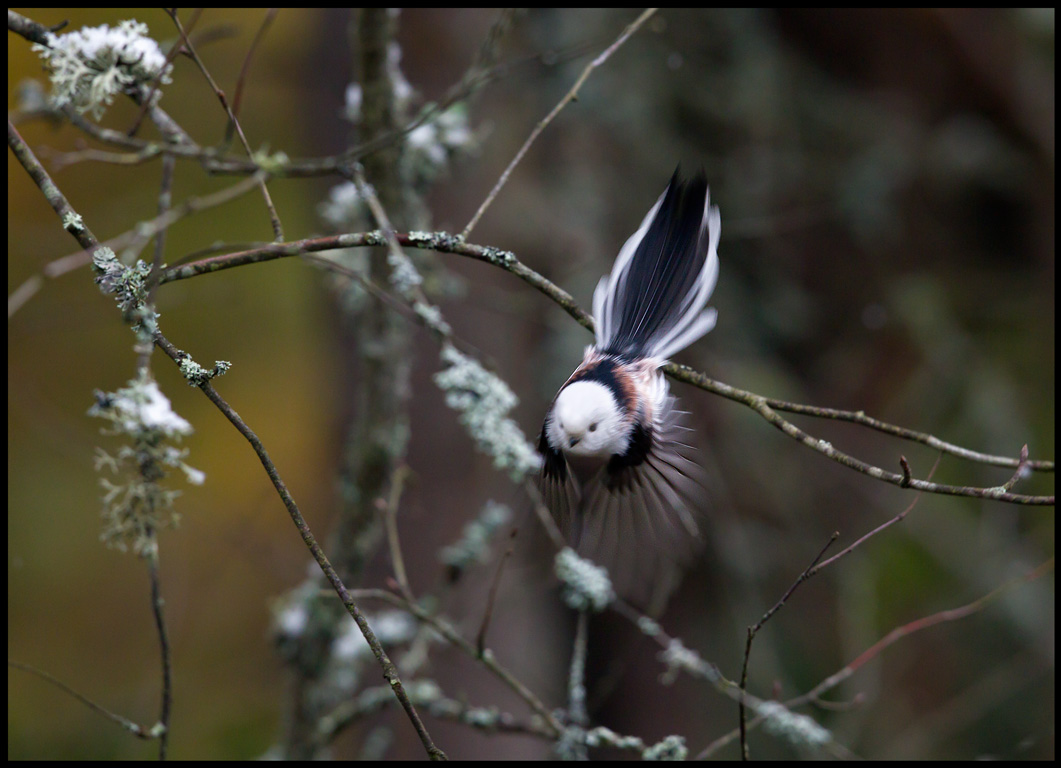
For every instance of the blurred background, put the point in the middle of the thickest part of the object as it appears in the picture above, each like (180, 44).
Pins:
(886, 182)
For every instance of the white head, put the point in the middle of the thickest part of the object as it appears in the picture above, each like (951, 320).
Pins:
(587, 421)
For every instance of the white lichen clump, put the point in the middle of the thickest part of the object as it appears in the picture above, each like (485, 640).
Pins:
(586, 585)
(678, 658)
(346, 208)
(800, 730)
(484, 401)
(391, 627)
(90, 66)
(137, 505)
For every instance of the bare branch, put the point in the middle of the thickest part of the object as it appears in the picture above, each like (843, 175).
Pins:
(134, 728)
(916, 626)
(390, 672)
(860, 417)
(480, 638)
(753, 630)
(766, 407)
(897, 519)
(390, 518)
(157, 605)
(278, 229)
(486, 658)
(568, 97)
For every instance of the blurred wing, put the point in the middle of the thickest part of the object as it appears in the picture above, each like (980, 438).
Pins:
(558, 485)
(638, 518)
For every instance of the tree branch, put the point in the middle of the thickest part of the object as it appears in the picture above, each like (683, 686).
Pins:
(768, 408)
(390, 672)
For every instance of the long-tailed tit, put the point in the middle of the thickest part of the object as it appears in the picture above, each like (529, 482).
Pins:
(616, 470)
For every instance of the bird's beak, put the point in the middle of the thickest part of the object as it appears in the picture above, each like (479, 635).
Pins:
(573, 441)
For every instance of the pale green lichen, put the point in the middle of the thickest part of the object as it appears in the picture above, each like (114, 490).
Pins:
(484, 401)
(671, 748)
(273, 163)
(73, 222)
(678, 658)
(197, 375)
(137, 506)
(800, 730)
(586, 585)
(90, 66)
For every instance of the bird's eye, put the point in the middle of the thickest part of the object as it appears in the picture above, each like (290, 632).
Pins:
(593, 427)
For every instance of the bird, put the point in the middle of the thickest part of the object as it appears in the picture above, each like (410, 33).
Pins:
(618, 471)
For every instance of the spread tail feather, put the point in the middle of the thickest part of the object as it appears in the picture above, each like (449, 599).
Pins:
(653, 302)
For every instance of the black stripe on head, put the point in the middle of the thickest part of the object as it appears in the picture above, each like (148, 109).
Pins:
(606, 372)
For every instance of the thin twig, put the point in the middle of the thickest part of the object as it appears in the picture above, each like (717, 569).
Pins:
(767, 408)
(156, 81)
(480, 638)
(390, 517)
(165, 201)
(690, 662)
(917, 625)
(74, 224)
(274, 218)
(134, 728)
(761, 405)
(813, 696)
(860, 417)
(157, 609)
(753, 630)
(241, 81)
(71, 219)
(576, 688)
(145, 230)
(568, 97)
(371, 700)
(390, 672)
(486, 658)
(576, 679)
(710, 672)
(811, 571)
(1021, 471)
(140, 233)
(907, 475)
(215, 162)
(60, 160)
(897, 519)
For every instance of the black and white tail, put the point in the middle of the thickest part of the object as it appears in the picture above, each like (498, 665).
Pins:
(653, 302)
